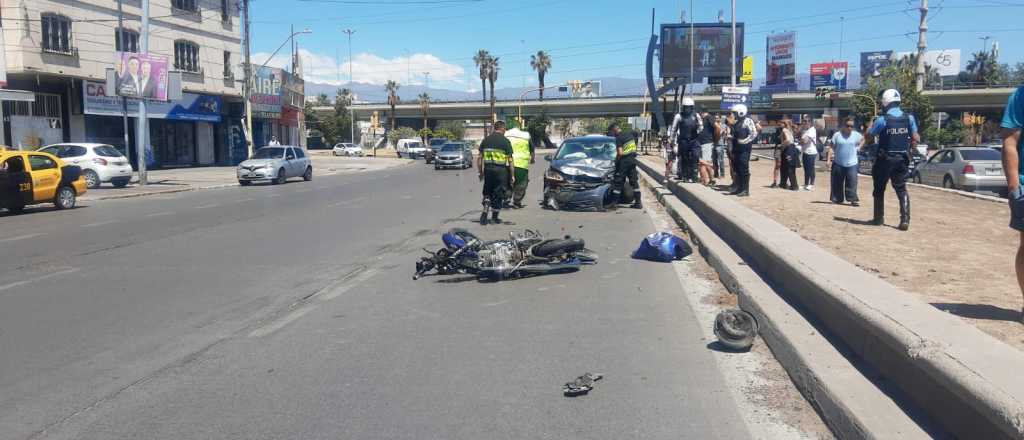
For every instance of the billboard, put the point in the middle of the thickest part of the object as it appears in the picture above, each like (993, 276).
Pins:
(584, 89)
(872, 63)
(191, 107)
(734, 95)
(141, 76)
(832, 74)
(267, 92)
(946, 61)
(712, 50)
(780, 67)
(748, 70)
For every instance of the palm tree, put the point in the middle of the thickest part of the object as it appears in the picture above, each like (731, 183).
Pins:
(482, 60)
(393, 99)
(931, 74)
(540, 62)
(492, 77)
(424, 107)
(984, 68)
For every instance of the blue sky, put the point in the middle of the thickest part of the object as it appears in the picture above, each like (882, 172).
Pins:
(597, 38)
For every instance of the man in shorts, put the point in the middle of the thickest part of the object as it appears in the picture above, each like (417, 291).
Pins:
(707, 138)
(1013, 167)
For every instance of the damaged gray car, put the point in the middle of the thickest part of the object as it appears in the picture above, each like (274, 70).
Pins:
(581, 174)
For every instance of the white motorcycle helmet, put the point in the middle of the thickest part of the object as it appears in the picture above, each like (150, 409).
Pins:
(739, 109)
(688, 102)
(890, 96)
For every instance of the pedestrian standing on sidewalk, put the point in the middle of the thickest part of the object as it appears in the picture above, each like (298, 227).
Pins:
(896, 132)
(1013, 167)
(718, 156)
(744, 134)
(776, 156)
(842, 160)
(274, 141)
(494, 165)
(809, 148)
(790, 157)
(707, 144)
(522, 157)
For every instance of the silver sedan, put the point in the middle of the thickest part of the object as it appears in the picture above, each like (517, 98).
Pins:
(275, 164)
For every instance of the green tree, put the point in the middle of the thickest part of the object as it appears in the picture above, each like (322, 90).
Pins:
(342, 117)
(982, 67)
(540, 62)
(492, 77)
(322, 100)
(931, 74)
(392, 88)
(424, 99)
(456, 130)
(482, 60)
(899, 76)
(425, 133)
(401, 133)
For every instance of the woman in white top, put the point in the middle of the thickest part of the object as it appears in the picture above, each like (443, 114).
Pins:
(809, 147)
(790, 157)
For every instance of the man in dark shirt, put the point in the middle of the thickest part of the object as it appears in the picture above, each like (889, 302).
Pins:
(495, 166)
(625, 164)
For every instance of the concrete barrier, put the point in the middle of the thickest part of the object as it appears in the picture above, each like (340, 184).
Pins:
(965, 380)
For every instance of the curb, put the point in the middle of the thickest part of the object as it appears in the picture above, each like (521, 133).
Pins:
(157, 193)
(963, 379)
(850, 404)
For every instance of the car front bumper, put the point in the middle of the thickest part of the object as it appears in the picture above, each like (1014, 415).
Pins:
(574, 196)
(449, 163)
(257, 174)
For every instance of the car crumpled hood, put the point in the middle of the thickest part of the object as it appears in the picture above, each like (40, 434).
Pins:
(256, 163)
(596, 168)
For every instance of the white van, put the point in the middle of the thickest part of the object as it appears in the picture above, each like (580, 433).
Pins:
(411, 148)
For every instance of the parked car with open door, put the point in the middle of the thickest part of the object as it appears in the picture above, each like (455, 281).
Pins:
(32, 177)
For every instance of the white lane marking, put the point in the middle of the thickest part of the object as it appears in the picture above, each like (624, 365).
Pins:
(346, 202)
(158, 214)
(339, 288)
(39, 278)
(21, 237)
(295, 314)
(93, 225)
(496, 304)
(244, 200)
(212, 205)
(321, 187)
(274, 195)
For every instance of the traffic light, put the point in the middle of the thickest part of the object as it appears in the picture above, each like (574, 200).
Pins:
(375, 120)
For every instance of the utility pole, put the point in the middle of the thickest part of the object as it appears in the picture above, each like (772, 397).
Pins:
(142, 126)
(922, 46)
(352, 112)
(692, 17)
(247, 84)
(842, 34)
(733, 63)
(124, 101)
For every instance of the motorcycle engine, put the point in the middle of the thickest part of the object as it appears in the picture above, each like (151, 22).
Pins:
(501, 255)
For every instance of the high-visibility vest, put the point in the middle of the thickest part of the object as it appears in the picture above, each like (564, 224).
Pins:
(520, 152)
(629, 148)
(495, 156)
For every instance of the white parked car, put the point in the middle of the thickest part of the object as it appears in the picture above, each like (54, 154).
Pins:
(411, 148)
(100, 163)
(347, 149)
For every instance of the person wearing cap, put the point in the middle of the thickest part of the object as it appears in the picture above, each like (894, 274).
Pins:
(686, 129)
(625, 164)
(494, 165)
(896, 132)
(744, 134)
(522, 157)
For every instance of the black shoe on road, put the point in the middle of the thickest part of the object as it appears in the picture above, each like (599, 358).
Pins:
(483, 219)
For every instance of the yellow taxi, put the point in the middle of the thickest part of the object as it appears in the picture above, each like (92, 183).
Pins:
(33, 177)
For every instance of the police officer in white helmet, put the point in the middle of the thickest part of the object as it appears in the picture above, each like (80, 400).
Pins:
(686, 129)
(896, 133)
(745, 132)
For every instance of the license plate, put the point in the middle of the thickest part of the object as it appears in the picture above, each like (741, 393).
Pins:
(994, 172)
(252, 175)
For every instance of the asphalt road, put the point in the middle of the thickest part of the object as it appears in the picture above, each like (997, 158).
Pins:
(278, 312)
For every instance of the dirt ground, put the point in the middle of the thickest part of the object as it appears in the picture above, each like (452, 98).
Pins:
(957, 256)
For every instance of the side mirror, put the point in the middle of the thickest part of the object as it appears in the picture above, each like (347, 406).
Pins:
(549, 157)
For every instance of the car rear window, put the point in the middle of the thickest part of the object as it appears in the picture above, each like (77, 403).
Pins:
(414, 145)
(986, 154)
(107, 151)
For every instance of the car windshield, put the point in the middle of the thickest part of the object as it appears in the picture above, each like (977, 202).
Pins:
(269, 153)
(438, 142)
(413, 145)
(451, 148)
(107, 151)
(587, 149)
(985, 154)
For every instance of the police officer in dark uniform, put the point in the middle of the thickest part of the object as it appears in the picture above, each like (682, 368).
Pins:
(495, 168)
(686, 129)
(625, 164)
(745, 133)
(896, 133)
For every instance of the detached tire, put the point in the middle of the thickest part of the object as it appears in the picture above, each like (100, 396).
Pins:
(65, 198)
(736, 329)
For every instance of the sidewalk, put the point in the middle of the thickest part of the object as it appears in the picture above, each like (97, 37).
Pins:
(193, 179)
(957, 256)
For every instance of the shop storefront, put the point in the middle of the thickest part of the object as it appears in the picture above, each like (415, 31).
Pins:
(267, 98)
(181, 133)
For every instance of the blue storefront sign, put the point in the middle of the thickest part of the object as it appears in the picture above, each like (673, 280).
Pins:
(191, 106)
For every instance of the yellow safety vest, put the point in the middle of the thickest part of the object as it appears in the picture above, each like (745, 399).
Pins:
(520, 152)
(495, 156)
(629, 148)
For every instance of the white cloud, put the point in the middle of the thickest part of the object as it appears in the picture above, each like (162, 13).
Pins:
(370, 68)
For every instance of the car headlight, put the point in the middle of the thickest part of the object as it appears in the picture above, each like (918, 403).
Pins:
(554, 175)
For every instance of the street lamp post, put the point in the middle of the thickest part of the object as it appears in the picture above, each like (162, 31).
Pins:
(352, 112)
(248, 99)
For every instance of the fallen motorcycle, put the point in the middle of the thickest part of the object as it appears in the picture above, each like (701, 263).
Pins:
(522, 255)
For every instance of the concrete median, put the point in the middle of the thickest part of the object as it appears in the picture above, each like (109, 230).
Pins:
(966, 381)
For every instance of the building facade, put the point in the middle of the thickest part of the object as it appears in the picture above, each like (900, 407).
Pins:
(61, 50)
(277, 107)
